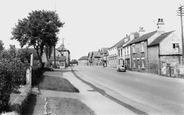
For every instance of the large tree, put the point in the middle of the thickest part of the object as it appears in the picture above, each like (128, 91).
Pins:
(39, 29)
(1, 46)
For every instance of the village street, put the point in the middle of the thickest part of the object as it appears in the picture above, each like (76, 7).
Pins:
(144, 92)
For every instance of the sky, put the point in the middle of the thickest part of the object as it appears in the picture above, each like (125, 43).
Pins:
(92, 24)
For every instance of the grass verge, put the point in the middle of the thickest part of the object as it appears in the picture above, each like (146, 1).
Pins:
(67, 106)
(58, 84)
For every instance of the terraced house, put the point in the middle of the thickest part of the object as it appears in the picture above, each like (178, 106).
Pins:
(113, 60)
(138, 46)
(126, 55)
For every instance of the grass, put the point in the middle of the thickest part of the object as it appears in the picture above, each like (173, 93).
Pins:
(67, 106)
(58, 84)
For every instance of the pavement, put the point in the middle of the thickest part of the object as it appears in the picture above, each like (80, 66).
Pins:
(97, 102)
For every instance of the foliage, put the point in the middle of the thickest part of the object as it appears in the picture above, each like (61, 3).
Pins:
(39, 30)
(5, 90)
(1, 46)
(12, 74)
(25, 53)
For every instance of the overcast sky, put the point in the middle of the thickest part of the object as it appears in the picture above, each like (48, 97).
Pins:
(92, 24)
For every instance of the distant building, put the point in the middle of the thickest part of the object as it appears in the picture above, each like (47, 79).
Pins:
(62, 57)
(104, 54)
(83, 60)
(94, 58)
(64, 52)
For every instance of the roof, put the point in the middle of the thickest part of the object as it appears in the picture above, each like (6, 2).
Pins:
(118, 43)
(144, 37)
(104, 50)
(62, 49)
(84, 58)
(60, 58)
(159, 38)
(96, 54)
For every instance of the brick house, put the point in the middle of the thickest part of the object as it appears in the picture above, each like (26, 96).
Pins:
(126, 54)
(164, 54)
(138, 49)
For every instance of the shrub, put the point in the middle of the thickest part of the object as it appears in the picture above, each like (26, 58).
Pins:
(12, 74)
(5, 90)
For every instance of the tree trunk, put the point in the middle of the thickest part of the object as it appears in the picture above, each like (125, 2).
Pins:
(54, 56)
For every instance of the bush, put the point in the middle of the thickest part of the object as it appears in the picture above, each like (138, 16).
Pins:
(5, 90)
(12, 74)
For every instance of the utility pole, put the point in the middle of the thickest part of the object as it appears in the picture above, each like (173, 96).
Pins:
(181, 14)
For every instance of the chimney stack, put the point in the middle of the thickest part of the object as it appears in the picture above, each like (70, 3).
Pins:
(160, 26)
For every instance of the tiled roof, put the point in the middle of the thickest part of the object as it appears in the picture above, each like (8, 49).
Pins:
(104, 50)
(142, 38)
(159, 38)
(84, 58)
(118, 43)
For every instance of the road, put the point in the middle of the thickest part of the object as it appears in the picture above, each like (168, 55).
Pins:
(149, 93)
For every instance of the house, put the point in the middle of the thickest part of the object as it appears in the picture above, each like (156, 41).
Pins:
(64, 52)
(83, 60)
(139, 51)
(60, 61)
(120, 52)
(94, 57)
(164, 54)
(104, 54)
(126, 54)
(113, 60)
(62, 57)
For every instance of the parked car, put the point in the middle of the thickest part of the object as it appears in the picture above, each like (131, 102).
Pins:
(121, 68)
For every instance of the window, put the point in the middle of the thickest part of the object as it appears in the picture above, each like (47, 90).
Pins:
(175, 47)
(134, 63)
(133, 48)
(142, 46)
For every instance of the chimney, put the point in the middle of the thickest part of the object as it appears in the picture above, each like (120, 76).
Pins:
(160, 26)
(134, 35)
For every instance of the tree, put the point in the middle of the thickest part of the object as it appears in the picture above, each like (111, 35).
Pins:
(39, 30)
(1, 46)
(25, 54)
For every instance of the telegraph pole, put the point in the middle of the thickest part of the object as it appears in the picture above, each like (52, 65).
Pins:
(181, 14)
